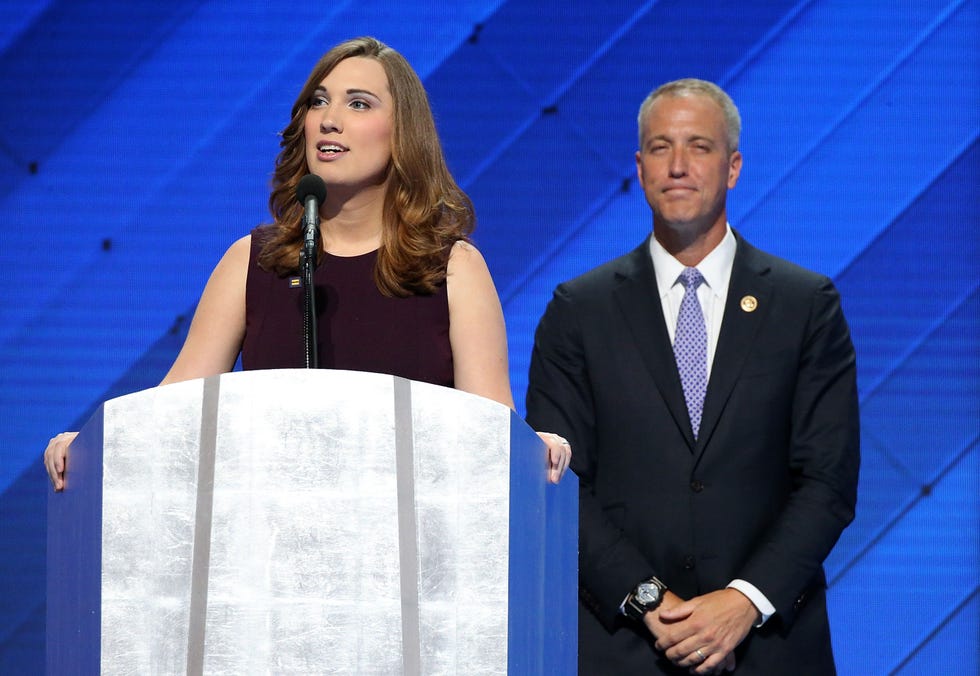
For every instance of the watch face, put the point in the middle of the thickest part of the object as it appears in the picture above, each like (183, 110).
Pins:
(647, 593)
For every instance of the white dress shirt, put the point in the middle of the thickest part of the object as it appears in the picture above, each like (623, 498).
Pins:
(716, 268)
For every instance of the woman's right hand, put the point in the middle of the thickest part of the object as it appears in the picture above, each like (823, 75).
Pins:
(56, 458)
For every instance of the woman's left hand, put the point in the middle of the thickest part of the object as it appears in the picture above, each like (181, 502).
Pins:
(559, 455)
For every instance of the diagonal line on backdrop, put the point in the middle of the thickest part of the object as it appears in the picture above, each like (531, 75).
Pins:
(955, 156)
(882, 448)
(763, 45)
(576, 75)
(859, 100)
(935, 630)
(568, 234)
(17, 160)
(145, 50)
(924, 492)
(555, 246)
(913, 346)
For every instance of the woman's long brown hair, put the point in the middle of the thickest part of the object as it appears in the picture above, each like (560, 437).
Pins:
(424, 213)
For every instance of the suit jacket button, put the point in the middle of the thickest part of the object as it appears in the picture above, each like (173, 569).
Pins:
(697, 486)
(688, 563)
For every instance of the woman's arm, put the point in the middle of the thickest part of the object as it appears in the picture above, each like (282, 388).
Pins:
(215, 336)
(479, 342)
(212, 345)
(476, 327)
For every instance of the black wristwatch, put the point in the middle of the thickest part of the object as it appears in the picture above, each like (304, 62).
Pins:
(646, 597)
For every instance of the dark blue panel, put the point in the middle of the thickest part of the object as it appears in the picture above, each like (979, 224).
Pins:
(471, 92)
(15, 17)
(23, 510)
(544, 183)
(22, 652)
(885, 491)
(514, 65)
(63, 66)
(674, 39)
(545, 43)
(891, 307)
(74, 570)
(559, 171)
(926, 411)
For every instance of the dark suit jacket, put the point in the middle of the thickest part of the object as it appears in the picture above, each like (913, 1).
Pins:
(762, 495)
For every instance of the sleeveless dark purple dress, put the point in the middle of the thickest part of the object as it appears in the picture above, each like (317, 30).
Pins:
(358, 328)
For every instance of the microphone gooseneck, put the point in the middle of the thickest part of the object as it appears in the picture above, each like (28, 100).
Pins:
(311, 192)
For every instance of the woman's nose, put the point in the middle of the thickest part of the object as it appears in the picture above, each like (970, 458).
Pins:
(329, 120)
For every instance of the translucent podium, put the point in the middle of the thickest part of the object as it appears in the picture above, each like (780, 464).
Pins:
(310, 521)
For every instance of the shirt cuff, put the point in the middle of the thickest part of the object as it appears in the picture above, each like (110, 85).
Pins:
(758, 599)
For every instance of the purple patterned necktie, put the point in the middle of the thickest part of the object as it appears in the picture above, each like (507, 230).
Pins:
(691, 347)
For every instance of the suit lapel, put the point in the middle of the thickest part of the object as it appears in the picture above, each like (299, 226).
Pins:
(747, 305)
(639, 302)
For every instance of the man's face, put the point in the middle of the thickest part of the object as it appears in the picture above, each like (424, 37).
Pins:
(684, 165)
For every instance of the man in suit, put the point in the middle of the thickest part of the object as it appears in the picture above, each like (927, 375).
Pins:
(708, 390)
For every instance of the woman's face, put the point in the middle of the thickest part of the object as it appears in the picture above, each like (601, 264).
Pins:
(349, 125)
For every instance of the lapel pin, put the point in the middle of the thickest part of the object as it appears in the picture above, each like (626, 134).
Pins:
(749, 303)
(297, 282)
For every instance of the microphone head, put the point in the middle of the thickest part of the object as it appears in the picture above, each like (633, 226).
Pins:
(311, 185)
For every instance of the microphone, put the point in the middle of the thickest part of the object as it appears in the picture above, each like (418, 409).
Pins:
(311, 191)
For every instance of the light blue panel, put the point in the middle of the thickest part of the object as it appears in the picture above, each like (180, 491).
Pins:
(859, 178)
(896, 298)
(963, 622)
(915, 576)
(811, 75)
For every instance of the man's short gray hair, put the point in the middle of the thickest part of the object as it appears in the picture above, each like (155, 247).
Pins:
(693, 86)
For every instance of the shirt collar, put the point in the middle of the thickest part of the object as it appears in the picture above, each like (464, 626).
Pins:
(716, 267)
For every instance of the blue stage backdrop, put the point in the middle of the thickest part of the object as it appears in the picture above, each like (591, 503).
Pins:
(137, 141)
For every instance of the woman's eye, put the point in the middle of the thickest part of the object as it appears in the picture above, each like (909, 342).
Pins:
(318, 101)
(357, 104)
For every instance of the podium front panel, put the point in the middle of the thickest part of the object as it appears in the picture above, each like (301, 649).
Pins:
(300, 521)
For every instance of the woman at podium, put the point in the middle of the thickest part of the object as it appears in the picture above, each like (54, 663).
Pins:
(399, 287)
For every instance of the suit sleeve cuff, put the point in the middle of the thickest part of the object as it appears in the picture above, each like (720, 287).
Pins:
(758, 599)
